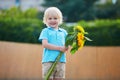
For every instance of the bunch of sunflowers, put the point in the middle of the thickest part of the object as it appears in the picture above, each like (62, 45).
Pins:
(76, 40)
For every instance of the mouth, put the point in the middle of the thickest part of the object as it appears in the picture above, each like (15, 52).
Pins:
(52, 23)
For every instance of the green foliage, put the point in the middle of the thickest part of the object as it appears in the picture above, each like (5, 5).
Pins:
(108, 10)
(103, 32)
(19, 26)
(15, 12)
(73, 10)
(85, 9)
(20, 30)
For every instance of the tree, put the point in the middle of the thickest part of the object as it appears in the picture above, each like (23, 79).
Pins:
(73, 10)
(108, 10)
(16, 12)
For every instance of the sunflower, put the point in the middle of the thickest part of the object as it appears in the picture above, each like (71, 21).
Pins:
(80, 29)
(80, 39)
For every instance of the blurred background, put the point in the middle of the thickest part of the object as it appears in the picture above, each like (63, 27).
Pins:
(21, 52)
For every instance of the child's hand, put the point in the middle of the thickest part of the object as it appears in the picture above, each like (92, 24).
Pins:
(63, 48)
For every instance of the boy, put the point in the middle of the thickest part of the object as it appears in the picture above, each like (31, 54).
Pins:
(53, 41)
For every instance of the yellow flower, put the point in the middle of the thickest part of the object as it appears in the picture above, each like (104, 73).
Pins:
(80, 28)
(82, 44)
(80, 39)
(80, 36)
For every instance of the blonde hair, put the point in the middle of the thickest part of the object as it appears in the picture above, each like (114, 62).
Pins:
(53, 10)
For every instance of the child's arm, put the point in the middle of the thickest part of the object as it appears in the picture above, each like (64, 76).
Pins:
(53, 47)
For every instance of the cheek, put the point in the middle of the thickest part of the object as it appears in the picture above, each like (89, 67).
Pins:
(57, 21)
(48, 21)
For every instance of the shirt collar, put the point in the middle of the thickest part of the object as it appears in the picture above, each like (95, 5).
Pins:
(59, 29)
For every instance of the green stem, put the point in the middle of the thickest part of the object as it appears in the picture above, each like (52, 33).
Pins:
(53, 66)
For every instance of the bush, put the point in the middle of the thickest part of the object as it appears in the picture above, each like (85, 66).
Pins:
(20, 26)
(20, 30)
(14, 26)
(103, 32)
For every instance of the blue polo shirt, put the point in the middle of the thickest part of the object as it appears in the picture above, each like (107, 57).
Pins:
(55, 37)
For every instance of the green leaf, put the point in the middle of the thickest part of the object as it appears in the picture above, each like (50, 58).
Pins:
(88, 39)
(85, 33)
(73, 50)
(69, 39)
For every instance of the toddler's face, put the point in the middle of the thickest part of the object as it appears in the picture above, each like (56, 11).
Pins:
(52, 21)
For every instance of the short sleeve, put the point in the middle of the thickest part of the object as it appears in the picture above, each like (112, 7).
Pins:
(43, 35)
(65, 32)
